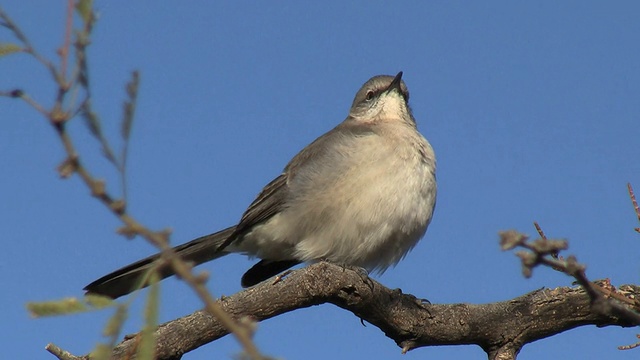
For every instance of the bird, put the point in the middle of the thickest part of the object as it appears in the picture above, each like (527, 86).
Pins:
(361, 195)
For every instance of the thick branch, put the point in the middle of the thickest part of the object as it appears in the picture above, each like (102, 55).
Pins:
(501, 328)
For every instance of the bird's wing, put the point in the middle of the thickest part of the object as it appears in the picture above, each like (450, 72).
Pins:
(269, 202)
(273, 197)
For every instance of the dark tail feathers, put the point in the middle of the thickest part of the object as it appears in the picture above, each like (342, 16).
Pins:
(129, 278)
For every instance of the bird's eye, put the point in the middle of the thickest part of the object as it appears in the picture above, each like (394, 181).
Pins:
(369, 95)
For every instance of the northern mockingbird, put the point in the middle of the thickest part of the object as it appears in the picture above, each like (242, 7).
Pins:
(362, 195)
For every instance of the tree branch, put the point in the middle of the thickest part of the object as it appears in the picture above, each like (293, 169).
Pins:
(501, 328)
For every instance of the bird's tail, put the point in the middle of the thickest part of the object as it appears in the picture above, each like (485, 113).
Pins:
(131, 277)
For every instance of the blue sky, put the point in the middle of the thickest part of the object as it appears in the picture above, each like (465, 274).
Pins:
(533, 109)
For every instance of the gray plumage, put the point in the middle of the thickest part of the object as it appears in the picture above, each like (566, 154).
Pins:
(362, 194)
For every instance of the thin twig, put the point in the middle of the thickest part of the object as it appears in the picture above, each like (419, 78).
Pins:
(632, 346)
(159, 239)
(539, 230)
(635, 203)
(28, 48)
(64, 50)
(61, 354)
(540, 250)
(58, 116)
(544, 237)
(129, 109)
(26, 98)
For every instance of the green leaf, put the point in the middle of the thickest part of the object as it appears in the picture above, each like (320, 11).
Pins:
(112, 330)
(56, 307)
(68, 306)
(101, 352)
(92, 120)
(114, 325)
(146, 349)
(9, 48)
(93, 123)
(85, 9)
(130, 105)
(98, 301)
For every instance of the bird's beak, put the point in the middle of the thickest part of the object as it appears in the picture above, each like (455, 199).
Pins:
(395, 84)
